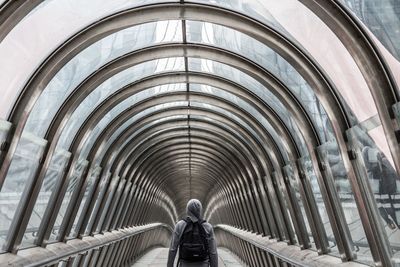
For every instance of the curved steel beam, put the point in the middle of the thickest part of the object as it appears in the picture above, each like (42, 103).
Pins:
(146, 14)
(199, 156)
(135, 180)
(296, 57)
(64, 187)
(230, 143)
(118, 145)
(164, 139)
(53, 144)
(197, 148)
(196, 151)
(183, 156)
(131, 161)
(139, 163)
(148, 119)
(218, 148)
(180, 163)
(12, 12)
(108, 153)
(369, 59)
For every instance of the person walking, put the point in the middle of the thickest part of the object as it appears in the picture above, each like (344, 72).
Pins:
(383, 180)
(195, 239)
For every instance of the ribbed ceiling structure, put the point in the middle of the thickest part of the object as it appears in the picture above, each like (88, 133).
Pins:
(281, 117)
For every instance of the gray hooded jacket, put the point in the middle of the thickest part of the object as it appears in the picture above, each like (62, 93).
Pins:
(193, 210)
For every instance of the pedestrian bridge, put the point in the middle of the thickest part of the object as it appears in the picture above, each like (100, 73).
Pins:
(281, 117)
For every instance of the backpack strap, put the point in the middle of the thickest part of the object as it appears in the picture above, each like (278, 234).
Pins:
(203, 234)
(188, 222)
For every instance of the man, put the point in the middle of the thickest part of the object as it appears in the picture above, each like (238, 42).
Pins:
(197, 231)
(383, 180)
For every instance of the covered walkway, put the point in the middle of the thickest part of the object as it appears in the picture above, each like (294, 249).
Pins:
(281, 116)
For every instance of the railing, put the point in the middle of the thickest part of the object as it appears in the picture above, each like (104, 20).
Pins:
(255, 250)
(117, 248)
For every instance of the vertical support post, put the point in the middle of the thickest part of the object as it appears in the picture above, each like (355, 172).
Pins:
(320, 237)
(290, 181)
(370, 218)
(336, 214)
(282, 196)
(276, 209)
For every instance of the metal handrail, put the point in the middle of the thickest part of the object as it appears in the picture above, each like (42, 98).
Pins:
(59, 251)
(289, 254)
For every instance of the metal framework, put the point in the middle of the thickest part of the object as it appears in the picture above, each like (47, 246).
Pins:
(231, 149)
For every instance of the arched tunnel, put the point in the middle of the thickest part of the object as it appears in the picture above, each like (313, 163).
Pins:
(281, 117)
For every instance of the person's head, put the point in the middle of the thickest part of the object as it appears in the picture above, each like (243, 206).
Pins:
(194, 209)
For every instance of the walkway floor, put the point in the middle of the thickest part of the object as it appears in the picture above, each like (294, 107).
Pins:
(158, 258)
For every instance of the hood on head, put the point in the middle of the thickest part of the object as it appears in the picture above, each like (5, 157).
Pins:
(194, 209)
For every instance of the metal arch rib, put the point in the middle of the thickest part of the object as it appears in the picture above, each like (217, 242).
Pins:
(141, 15)
(12, 12)
(125, 134)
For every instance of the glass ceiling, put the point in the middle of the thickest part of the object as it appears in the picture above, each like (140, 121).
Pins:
(57, 22)
(271, 13)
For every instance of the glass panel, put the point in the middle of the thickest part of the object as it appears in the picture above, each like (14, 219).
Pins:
(223, 70)
(94, 175)
(226, 113)
(295, 192)
(310, 174)
(382, 18)
(255, 8)
(384, 182)
(102, 190)
(92, 58)
(131, 121)
(53, 174)
(248, 107)
(307, 29)
(77, 173)
(130, 101)
(112, 85)
(109, 197)
(22, 169)
(148, 125)
(200, 32)
(53, 22)
(113, 207)
(280, 190)
(335, 165)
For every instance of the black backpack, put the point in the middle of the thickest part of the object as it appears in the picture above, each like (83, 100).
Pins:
(193, 246)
